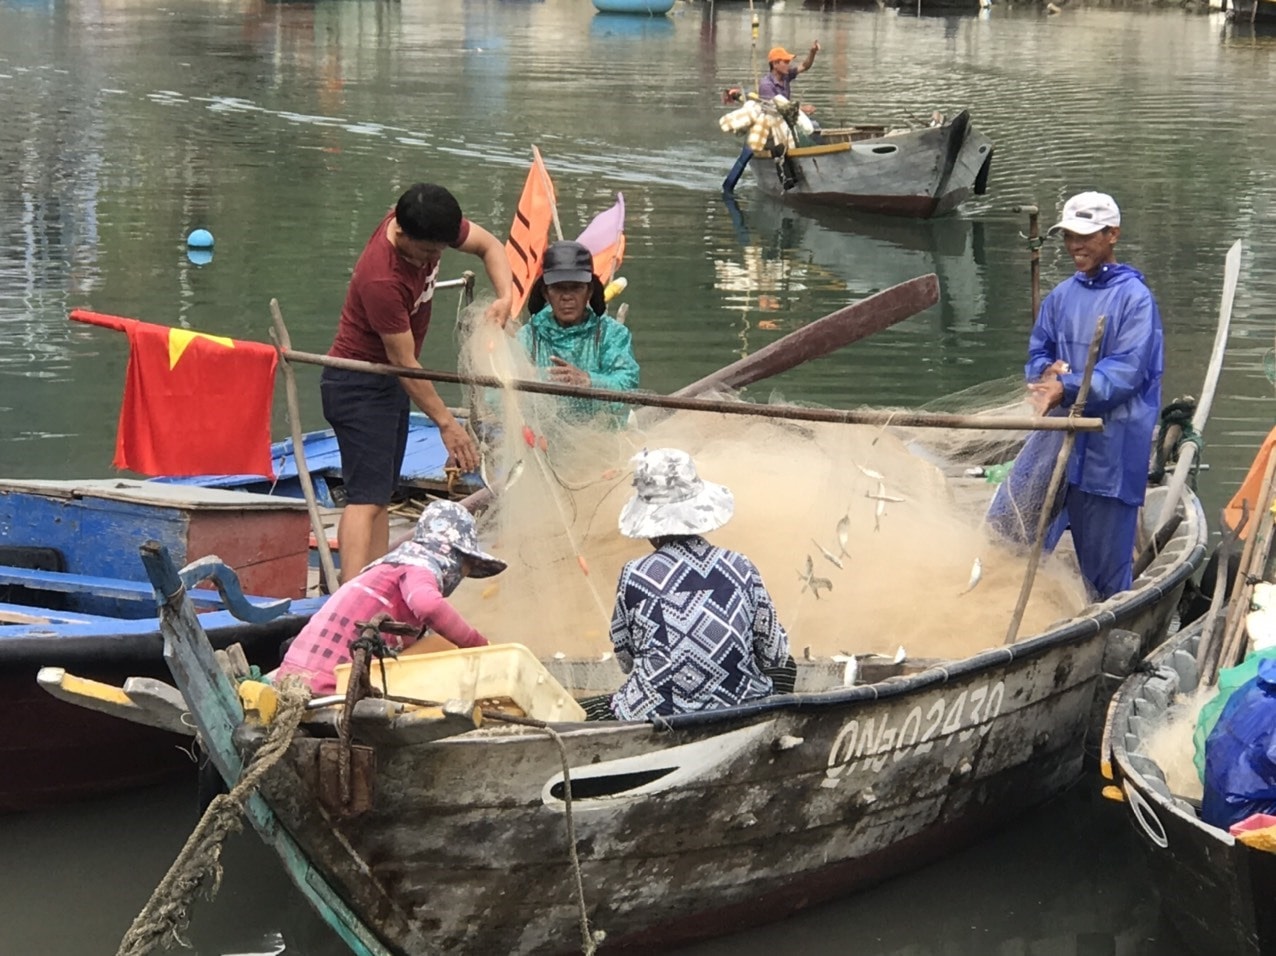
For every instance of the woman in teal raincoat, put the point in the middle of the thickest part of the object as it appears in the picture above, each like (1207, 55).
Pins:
(572, 337)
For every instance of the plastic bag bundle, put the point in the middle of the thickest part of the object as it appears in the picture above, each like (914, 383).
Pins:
(1230, 680)
(1240, 753)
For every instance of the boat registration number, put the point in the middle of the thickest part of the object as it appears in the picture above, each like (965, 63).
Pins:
(869, 743)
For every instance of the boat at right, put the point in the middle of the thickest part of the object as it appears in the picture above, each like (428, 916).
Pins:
(1187, 746)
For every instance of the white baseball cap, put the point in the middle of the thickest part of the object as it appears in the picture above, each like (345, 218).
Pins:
(1087, 213)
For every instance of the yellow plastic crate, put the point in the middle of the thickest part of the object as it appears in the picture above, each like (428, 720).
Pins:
(494, 672)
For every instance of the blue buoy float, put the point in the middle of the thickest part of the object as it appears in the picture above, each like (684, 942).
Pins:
(200, 239)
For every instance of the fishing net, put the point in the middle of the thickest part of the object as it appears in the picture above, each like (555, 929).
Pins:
(865, 537)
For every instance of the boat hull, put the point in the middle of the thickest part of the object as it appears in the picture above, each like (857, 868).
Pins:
(712, 821)
(73, 594)
(920, 173)
(1215, 891)
(54, 752)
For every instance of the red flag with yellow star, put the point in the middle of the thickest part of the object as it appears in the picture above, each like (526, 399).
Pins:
(194, 404)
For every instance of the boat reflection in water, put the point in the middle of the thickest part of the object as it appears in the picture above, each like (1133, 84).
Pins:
(784, 252)
(629, 25)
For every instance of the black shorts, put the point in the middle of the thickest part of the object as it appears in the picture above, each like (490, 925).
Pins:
(369, 415)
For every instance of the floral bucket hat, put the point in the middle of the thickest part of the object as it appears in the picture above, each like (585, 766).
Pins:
(445, 531)
(671, 499)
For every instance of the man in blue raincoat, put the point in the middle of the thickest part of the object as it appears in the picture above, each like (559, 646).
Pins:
(1107, 473)
(571, 336)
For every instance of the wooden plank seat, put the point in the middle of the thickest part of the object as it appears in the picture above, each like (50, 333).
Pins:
(12, 614)
(116, 588)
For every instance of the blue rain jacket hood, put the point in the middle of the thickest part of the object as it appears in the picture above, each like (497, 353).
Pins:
(1125, 390)
(598, 344)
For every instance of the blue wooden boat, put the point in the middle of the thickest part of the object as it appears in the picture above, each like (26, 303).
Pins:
(74, 596)
(423, 467)
(648, 7)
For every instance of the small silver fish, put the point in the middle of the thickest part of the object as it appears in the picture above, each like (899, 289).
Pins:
(883, 497)
(880, 511)
(809, 580)
(828, 555)
(976, 572)
(844, 535)
(850, 668)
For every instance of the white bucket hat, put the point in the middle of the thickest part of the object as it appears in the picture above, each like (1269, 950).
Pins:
(1087, 213)
(671, 499)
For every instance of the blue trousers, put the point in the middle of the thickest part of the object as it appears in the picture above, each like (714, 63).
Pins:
(1103, 531)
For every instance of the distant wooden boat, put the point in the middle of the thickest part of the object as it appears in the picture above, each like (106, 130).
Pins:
(688, 827)
(917, 172)
(649, 7)
(73, 595)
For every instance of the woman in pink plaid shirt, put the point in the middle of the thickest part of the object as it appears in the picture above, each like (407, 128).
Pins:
(411, 584)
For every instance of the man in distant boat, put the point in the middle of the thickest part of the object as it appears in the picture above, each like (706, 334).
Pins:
(694, 627)
(779, 81)
(384, 320)
(1107, 472)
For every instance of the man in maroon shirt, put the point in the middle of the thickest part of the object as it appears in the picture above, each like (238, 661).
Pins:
(384, 319)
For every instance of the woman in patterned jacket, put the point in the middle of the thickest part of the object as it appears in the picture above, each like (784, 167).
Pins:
(694, 627)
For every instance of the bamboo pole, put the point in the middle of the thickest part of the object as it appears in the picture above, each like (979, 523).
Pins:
(1207, 648)
(1253, 568)
(1231, 275)
(549, 191)
(788, 412)
(283, 345)
(1056, 480)
(1034, 255)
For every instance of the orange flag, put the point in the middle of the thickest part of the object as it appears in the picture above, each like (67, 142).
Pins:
(529, 233)
(194, 404)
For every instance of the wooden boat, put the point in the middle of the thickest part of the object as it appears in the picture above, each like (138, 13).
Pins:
(917, 172)
(74, 596)
(496, 840)
(647, 7)
(423, 470)
(1216, 891)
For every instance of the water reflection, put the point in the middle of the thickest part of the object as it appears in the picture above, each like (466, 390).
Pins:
(783, 251)
(629, 26)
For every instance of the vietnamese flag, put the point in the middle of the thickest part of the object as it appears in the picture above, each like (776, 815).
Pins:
(194, 404)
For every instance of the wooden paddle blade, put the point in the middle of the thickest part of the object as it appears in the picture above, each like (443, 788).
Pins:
(823, 336)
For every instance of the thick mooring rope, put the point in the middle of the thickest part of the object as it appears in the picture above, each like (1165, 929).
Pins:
(166, 914)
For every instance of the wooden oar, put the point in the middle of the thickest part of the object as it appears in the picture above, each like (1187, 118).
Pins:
(1056, 482)
(1231, 275)
(824, 336)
